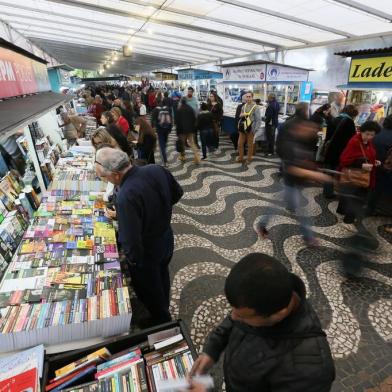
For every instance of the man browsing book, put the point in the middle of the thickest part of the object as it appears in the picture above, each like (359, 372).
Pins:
(144, 206)
(273, 339)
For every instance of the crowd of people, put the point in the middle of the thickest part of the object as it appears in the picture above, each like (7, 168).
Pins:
(272, 338)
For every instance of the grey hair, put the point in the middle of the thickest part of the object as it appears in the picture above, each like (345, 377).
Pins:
(112, 159)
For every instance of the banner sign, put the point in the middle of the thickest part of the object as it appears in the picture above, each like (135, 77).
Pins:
(279, 73)
(198, 74)
(21, 75)
(165, 76)
(244, 73)
(371, 69)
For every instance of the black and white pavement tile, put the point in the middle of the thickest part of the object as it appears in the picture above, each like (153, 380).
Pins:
(214, 227)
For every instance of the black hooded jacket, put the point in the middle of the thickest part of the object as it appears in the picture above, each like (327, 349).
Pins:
(293, 355)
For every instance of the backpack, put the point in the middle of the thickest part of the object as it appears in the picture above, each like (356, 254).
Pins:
(388, 161)
(164, 118)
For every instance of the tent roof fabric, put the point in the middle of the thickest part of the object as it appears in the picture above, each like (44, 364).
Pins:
(163, 34)
(17, 112)
(361, 52)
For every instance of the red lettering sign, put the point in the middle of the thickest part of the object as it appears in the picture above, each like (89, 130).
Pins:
(17, 74)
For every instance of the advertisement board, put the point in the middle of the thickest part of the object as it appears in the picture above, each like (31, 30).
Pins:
(244, 73)
(279, 73)
(21, 75)
(371, 69)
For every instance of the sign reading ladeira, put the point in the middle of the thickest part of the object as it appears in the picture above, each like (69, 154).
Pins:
(371, 69)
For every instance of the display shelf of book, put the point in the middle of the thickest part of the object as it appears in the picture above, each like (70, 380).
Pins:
(167, 346)
(64, 282)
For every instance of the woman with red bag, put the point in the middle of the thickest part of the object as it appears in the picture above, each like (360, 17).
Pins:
(357, 164)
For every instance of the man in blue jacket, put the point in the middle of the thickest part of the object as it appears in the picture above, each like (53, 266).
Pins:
(144, 208)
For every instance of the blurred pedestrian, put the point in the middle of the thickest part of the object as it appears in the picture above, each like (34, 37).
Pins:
(186, 128)
(271, 122)
(296, 149)
(205, 125)
(216, 110)
(342, 130)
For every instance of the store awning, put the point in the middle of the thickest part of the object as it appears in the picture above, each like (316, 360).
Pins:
(365, 52)
(365, 86)
(17, 112)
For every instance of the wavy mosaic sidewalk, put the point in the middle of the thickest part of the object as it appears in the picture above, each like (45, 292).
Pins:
(214, 228)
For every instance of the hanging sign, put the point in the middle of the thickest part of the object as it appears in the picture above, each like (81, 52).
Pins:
(244, 73)
(372, 69)
(21, 75)
(279, 73)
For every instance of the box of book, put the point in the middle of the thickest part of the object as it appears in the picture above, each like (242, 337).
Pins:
(142, 361)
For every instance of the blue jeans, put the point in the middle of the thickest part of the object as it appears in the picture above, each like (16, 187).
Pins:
(292, 197)
(162, 139)
(205, 136)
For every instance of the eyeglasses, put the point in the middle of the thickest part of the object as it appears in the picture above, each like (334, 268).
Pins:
(99, 163)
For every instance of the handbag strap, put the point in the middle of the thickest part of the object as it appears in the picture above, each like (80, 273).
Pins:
(363, 152)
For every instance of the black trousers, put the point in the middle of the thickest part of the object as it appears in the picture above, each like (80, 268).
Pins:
(151, 281)
(270, 135)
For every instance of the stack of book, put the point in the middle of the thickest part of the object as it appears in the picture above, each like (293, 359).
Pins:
(21, 372)
(64, 282)
(140, 368)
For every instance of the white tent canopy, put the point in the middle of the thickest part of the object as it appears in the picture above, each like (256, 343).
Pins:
(168, 33)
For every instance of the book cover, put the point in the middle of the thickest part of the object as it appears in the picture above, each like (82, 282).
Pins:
(102, 353)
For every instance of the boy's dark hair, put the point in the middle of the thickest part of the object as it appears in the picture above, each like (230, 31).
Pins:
(191, 88)
(370, 126)
(259, 282)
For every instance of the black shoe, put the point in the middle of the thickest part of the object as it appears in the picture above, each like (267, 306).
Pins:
(203, 158)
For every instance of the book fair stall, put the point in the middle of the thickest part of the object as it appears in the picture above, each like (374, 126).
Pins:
(369, 84)
(290, 85)
(201, 80)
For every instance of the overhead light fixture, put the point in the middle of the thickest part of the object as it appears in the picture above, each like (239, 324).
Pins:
(112, 62)
(127, 50)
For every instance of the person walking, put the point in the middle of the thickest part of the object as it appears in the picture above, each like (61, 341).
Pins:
(96, 109)
(140, 107)
(216, 110)
(359, 155)
(342, 130)
(145, 233)
(250, 122)
(295, 148)
(161, 120)
(271, 123)
(186, 128)
(272, 340)
(205, 125)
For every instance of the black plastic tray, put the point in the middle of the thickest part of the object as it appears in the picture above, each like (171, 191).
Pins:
(114, 345)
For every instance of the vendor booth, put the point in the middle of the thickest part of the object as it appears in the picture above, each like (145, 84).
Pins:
(369, 84)
(289, 84)
(59, 77)
(165, 80)
(201, 80)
